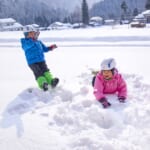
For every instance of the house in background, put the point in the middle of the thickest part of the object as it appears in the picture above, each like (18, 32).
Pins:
(96, 21)
(110, 22)
(9, 24)
(140, 17)
(147, 15)
(35, 26)
(138, 21)
(59, 26)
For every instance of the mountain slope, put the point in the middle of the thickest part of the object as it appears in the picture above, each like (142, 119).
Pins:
(44, 12)
(112, 8)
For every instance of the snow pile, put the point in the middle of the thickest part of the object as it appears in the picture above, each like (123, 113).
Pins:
(69, 117)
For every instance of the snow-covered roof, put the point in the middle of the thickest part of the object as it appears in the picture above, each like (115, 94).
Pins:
(109, 21)
(96, 18)
(35, 25)
(13, 27)
(147, 12)
(57, 24)
(140, 16)
(17, 25)
(7, 20)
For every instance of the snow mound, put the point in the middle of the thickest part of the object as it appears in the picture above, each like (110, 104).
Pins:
(73, 113)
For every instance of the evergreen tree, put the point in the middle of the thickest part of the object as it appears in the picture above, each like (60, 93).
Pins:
(85, 13)
(135, 12)
(124, 7)
(41, 20)
(65, 20)
(1, 7)
(147, 5)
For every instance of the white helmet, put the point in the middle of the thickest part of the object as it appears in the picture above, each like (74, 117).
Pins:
(29, 28)
(108, 64)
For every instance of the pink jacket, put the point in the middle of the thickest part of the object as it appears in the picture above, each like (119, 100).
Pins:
(115, 85)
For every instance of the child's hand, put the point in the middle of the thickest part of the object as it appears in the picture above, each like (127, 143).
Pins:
(104, 102)
(53, 46)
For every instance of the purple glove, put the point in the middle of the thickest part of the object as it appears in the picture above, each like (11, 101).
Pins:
(53, 46)
(104, 102)
(122, 99)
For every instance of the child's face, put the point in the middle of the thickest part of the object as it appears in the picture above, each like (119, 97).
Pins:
(31, 34)
(107, 74)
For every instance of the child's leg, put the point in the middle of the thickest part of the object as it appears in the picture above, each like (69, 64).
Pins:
(48, 76)
(41, 81)
(45, 72)
(38, 73)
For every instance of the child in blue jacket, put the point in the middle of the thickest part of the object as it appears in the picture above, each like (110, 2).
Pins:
(34, 51)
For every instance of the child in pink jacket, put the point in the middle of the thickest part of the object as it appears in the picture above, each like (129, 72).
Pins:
(109, 81)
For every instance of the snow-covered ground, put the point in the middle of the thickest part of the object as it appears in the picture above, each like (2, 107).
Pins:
(69, 117)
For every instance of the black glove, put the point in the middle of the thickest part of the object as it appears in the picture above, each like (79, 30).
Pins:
(104, 102)
(122, 99)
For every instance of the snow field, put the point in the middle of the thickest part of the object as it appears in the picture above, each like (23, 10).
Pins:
(69, 117)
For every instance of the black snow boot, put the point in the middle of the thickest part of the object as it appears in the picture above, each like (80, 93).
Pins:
(54, 82)
(45, 86)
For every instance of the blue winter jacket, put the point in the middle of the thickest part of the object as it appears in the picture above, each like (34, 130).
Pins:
(34, 50)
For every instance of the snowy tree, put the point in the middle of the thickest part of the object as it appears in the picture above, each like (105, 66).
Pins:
(1, 6)
(147, 5)
(124, 7)
(112, 8)
(76, 15)
(44, 12)
(85, 12)
(135, 12)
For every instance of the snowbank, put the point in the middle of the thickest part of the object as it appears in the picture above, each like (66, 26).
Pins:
(73, 119)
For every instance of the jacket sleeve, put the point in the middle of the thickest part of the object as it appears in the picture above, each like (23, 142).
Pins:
(27, 44)
(45, 48)
(122, 87)
(98, 88)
